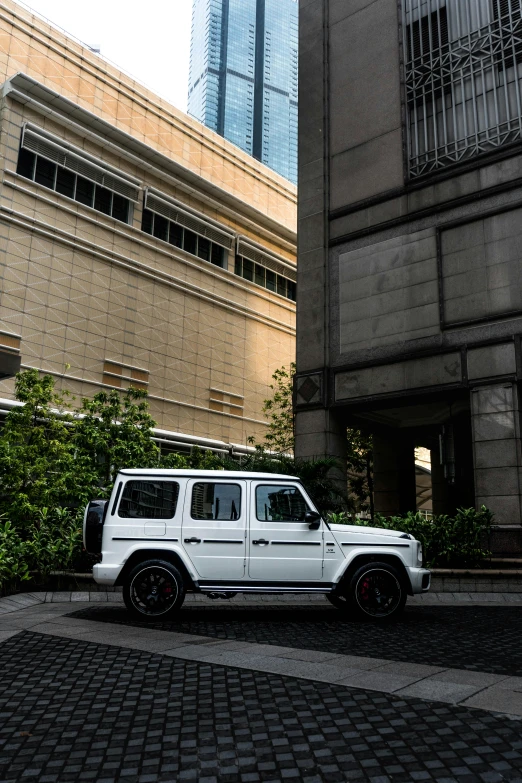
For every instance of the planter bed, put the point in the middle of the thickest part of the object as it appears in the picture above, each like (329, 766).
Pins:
(476, 580)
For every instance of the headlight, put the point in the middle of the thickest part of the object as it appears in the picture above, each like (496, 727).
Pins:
(419, 553)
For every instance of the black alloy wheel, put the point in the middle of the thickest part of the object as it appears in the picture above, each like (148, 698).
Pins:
(154, 590)
(375, 592)
(338, 600)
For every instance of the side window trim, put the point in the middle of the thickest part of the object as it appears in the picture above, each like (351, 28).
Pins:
(116, 499)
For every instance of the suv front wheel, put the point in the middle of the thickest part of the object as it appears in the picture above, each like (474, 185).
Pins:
(154, 590)
(374, 592)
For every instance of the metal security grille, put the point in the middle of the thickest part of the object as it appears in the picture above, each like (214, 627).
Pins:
(172, 211)
(33, 141)
(463, 79)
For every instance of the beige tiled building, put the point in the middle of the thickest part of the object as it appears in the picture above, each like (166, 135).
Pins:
(137, 246)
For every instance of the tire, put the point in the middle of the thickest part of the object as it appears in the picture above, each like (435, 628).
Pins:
(339, 601)
(375, 592)
(154, 590)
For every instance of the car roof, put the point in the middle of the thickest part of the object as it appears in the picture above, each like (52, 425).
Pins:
(216, 474)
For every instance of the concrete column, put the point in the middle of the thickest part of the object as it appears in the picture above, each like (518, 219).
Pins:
(312, 209)
(448, 497)
(496, 451)
(393, 473)
(322, 433)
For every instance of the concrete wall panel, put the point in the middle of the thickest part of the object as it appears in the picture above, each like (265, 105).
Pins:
(365, 88)
(366, 170)
(491, 360)
(392, 288)
(400, 376)
(481, 264)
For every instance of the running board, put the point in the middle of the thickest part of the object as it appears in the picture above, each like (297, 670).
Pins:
(255, 589)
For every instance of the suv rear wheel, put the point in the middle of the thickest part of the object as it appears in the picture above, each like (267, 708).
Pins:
(375, 592)
(154, 590)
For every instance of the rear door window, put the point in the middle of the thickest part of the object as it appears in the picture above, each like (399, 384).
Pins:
(149, 500)
(215, 501)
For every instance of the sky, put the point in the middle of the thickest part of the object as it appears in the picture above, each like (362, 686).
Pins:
(150, 40)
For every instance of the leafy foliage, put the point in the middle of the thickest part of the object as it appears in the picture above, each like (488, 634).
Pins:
(314, 474)
(359, 459)
(114, 432)
(280, 439)
(38, 464)
(13, 564)
(54, 542)
(280, 413)
(448, 542)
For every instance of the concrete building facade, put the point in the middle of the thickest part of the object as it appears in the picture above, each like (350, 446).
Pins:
(409, 315)
(137, 246)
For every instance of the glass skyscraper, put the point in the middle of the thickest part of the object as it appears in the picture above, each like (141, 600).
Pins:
(243, 76)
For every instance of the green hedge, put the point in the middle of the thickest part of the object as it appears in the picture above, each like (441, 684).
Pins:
(458, 541)
(53, 542)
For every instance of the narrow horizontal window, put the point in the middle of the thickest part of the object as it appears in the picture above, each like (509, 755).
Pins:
(161, 228)
(248, 269)
(26, 164)
(120, 208)
(84, 191)
(176, 235)
(64, 181)
(146, 221)
(218, 255)
(103, 200)
(207, 248)
(190, 242)
(204, 249)
(260, 275)
(45, 173)
(264, 277)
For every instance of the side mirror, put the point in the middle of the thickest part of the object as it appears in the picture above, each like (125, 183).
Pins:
(313, 519)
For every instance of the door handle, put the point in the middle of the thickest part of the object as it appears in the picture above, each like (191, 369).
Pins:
(192, 540)
(260, 542)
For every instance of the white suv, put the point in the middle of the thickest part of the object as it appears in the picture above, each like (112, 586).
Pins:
(166, 532)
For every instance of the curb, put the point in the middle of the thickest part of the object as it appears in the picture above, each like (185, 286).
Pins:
(14, 603)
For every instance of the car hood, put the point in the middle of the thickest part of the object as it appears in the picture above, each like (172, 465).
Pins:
(351, 530)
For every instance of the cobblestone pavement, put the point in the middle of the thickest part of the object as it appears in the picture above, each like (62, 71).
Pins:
(476, 638)
(71, 710)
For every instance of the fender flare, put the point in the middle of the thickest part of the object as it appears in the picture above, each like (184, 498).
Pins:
(361, 557)
(173, 555)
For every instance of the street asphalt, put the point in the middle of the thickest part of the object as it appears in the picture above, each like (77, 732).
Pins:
(259, 691)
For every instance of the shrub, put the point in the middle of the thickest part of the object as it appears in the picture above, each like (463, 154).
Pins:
(13, 564)
(448, 542)
(54, 542)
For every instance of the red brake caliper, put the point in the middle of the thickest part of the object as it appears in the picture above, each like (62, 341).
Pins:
(365, 587)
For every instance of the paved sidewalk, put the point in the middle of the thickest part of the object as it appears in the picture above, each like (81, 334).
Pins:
(72, 710)
(495, 692)
(107, 702)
